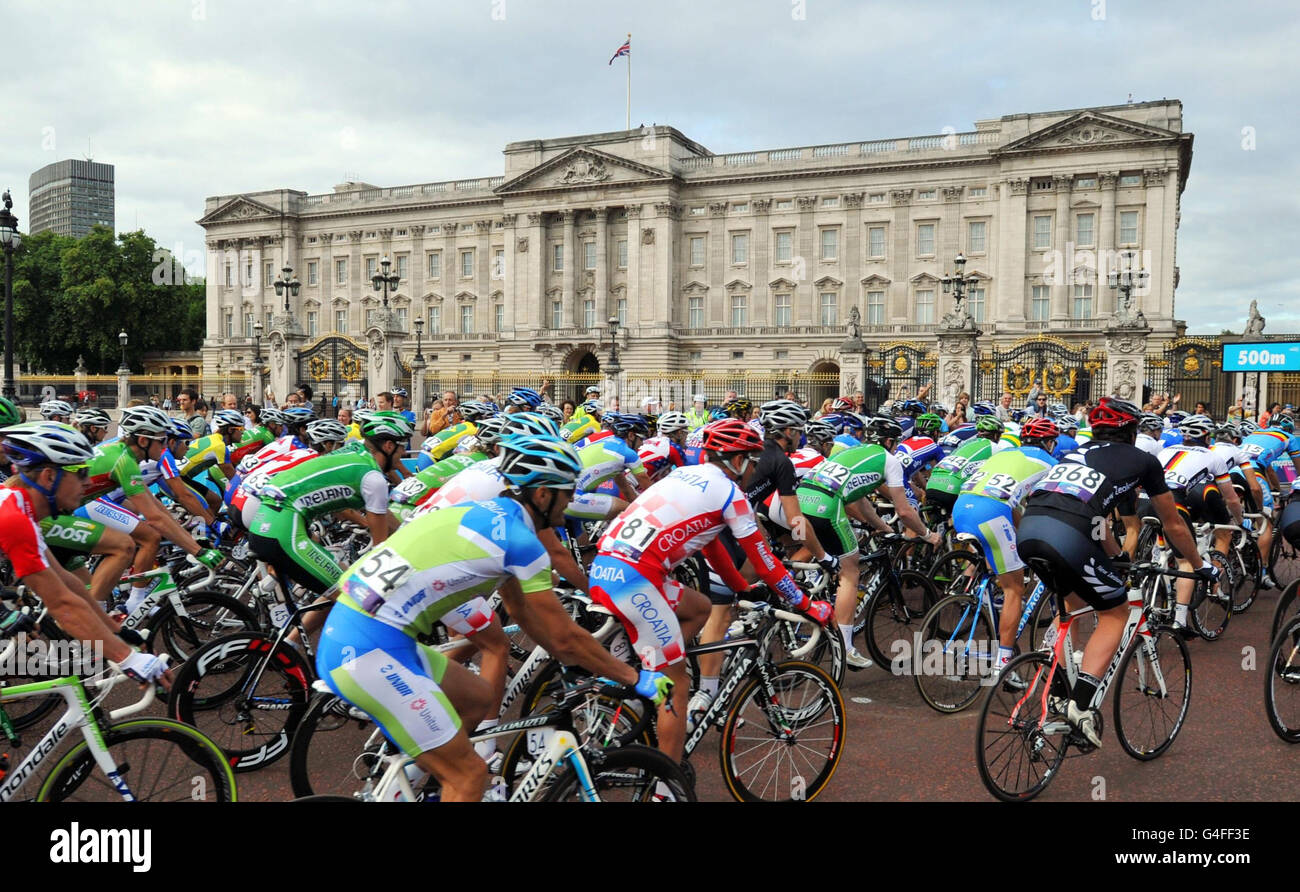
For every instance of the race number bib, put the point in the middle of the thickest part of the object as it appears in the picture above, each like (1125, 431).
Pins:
(997, 486)
(1073, 479)
(1252, 450)
(408, 489)
(633, 537)
(953, 464)
(380, 572)
(831, 475)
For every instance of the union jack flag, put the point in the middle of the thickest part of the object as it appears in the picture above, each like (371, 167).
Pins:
(624, 50)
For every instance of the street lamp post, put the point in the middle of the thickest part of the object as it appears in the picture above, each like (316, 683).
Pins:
(123, 374)
(419, 330)
(384, 280)
(10, 240)
(1125, 280)
(615, 370)
(123, 369)
(957, 285)
(258, 391)
(286, 285)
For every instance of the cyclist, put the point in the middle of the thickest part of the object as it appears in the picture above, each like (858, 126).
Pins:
(1068, 425)
(212, 454)
(1171, 436)
(51, 459)
(56, 410)
(1227, 441)
(370, 652)
(351, 478)
(989, 509)
(116, 496)
(165, 475)
(851, 430)
(523, 399)
(820, 436)
(1263, 448)
(269, 427)
(677, 517)
(1201, 483)
(662, 453)
(417, 489)
(919, 452)
(325, 435)
(946, 481)
(836, 491)
(906, 413)
(94, 424)
(584, 423)
(462, 423)
(1065, 534)
(1150, 426)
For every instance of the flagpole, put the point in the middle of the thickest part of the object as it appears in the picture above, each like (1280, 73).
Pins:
(629, 80)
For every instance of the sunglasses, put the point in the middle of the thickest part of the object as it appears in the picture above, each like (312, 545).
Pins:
(81, 471)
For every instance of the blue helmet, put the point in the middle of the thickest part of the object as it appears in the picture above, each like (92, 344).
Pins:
(1283, 423)
(984, 407)
(910, 407)
(296, 415)
(529, 424)
(531, 461)
(845, 422)
(524, 397)
(717, 413)
(181, 430)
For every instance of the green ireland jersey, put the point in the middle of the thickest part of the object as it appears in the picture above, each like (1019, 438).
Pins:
(412, 491)
(344, 478)
(949, 474)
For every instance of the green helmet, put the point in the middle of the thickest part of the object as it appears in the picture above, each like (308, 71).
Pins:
(9, 413)
(386, 426)
(928, 422)
(988, 423)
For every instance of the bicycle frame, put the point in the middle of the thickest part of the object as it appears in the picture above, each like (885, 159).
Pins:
(165, 588)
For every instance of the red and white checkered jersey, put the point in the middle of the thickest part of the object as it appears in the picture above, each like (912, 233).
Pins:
(20, 537)
(804, 460)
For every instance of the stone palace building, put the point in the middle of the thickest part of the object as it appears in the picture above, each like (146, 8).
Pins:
(735, 264)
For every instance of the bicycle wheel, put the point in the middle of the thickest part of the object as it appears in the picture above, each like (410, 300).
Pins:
(893, 620)
(209, 615)
(1153, 691)
(159, 761)
(1040, 621)
(957, 572)
(1020, 741)
(250, 716)
(334, 748)
(1210, 617)
(783, 743)
(1288, 607)
(915, 554)
(785, 640)
(627, 774)
(1282, 683)
(959, 644)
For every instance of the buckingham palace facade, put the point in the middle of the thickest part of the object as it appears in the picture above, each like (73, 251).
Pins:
(750, 260)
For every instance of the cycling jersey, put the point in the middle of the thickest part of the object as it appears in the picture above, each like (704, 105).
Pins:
(1148, 443)
(1171, 437)
(959, 435)
(1100, 475)
(479, 482)
(579, 427)
(659, 455)
(604, 459)
(254, 438)
(1009, 476)
(419, 487)
(680, 515)
(1268, 446)
(989, 498)
(1064, 443)
(243, 503)
(443, 443)
(206, 452)
(113, 472)
(803, 460)
(948, 475)
(915, 454)
(839, 481)
(842, 442)
(20, 537)
(773, 472)
(1188, 467)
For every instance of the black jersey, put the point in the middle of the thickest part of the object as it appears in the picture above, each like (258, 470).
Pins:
(774, 471)
(1098, 476)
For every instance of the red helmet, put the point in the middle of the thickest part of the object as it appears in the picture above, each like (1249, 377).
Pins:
(842, 404)
(1039, 429)
(731, 435)
(1114, 412)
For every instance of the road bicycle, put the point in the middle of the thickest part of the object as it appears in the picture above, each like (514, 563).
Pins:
(118, 758)
(1282, 682)
(891, 601)
(561, 769)
(1210, 609)
(1023, 735)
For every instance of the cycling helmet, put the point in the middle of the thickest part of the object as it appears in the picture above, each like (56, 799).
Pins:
(717, 413)
(9, 413)
(1114, 412)
(1017, 414)
(400, 391)
(1056, 410)
(909, 407)
(1149, 421)
(729, 436)
(671, 422)
(555, 413)
(272, 415)
(1196, 427)
(92, 417)
(593, 408)
(532, 461)
(473, 410)
(842, 404)
(845, 422)
(739, 406)
(883, 428)
(46, 442)
(145, 421)
(1227, 429)
(1282, 422)
(529, 424)
(490, 430)
(928, 422)
(1039, 428)
(359, 416)
(524, 397)
(385, 426)
(819, 430)
(1248, 427)
(1176, 418)
(229, 418)
(984, 407)
(326, 430)
(940, 409)
(1067, 423)
(299, 415)
(55, 408)
(780, 414)
(180, 430)
(590, 390)
(988, 423)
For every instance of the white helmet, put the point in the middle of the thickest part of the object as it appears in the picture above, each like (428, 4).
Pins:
(229, 418)
(46, 442)
(1195, 427)
(94, 417)
(145, 421)
(779, 414)
(326, 430)
(673, 421)
(56, 409)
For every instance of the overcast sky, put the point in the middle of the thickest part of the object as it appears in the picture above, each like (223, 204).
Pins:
(191, 98)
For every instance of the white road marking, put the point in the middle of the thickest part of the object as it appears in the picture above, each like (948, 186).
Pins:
(863, 700)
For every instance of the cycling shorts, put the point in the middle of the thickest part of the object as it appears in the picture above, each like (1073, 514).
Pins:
(1290, 523)
(589, 506)
(942, 500)
(111, 515)
(71, 538)
(829, 521)
(248, 511)
(990, 521)
(646, 612)
(288, 548)
(1200, 504)
(1065, 556)
(390, 676)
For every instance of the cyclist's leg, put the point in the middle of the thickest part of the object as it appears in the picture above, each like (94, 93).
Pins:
(835, 533)
(147, 539)
(475, 620)
(720, 615)
(295, 557)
